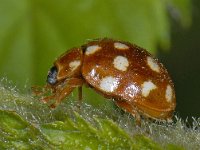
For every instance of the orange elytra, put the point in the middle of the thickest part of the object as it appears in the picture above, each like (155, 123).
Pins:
(138, 82)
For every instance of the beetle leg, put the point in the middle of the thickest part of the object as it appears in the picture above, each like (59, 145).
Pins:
(47, 98)
(71, 84)
(59, 96)
(129, 108)
(38, 90)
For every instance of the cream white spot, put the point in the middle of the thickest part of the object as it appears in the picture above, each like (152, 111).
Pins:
(120, 46)
(109, 84)
(168, 93)
(74, 64)
(121, 63)
(147, 87)
(153, 64)
(92, 49)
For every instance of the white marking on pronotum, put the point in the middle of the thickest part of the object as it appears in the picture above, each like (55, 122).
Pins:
(74, 64)
(120, 46)
(153, 64)
(109, 84)
(168, 93)
(147, 87)
(121, 63)
(92, 49)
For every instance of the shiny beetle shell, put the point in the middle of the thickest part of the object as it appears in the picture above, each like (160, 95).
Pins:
(130, 75)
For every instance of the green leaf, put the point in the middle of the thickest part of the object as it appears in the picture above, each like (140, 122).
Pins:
(18, 133)
(28, 124)
(174, 147)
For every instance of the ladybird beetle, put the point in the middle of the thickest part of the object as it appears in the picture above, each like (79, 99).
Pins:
(136, 81)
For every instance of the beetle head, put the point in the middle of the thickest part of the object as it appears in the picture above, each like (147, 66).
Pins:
(52, 76)
(66, 66)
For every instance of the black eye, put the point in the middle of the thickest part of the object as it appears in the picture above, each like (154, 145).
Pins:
(52, 74)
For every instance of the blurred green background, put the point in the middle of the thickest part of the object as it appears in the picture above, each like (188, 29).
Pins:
(34, 32)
